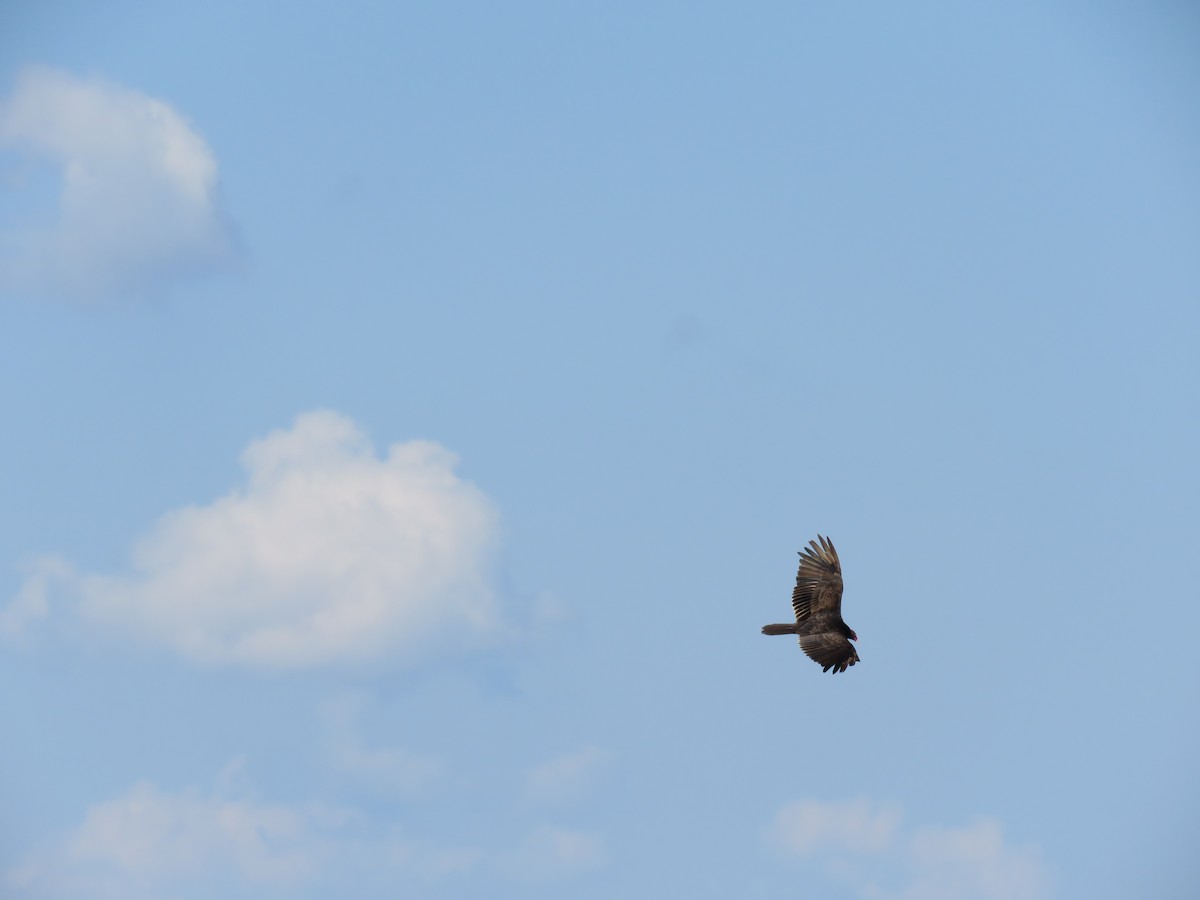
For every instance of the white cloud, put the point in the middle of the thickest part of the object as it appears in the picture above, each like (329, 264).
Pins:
(327, 554)
(544, 853)
(31, 602)
(553, 853)
(429, 861)
(225, 840)
(972, 861)
(809, 826)
(138, 203)
(147, 842)
(565, 778)
(865, 847)
(388, 769)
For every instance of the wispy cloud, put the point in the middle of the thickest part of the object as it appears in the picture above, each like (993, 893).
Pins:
(553, 853)
(808, 827)
(867, 849)
(564, 779)
(390, 769)
(149, 839)
(972, 861)
(327, 554)
(31, 602)
(138, 204)
(226, 840)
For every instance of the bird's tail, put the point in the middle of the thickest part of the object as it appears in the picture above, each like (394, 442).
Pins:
(780, 629)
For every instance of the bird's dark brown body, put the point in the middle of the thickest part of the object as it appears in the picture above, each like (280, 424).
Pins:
(817, 603)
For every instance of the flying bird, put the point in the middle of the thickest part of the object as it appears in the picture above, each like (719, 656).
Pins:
(817, 600)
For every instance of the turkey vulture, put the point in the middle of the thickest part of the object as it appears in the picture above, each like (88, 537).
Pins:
(817, 600)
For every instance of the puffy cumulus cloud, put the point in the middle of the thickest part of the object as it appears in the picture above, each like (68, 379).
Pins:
(327, 554)
(864, 848)
(138, 202)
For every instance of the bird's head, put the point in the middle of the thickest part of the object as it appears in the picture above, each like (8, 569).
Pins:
(852, 635)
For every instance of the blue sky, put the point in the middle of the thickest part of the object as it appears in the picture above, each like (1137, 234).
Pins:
(414, 412)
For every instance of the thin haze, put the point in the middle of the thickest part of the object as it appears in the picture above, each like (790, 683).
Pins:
(414, 411)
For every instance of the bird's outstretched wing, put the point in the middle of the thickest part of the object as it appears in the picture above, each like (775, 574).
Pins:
(830, 650)
(818, 582)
